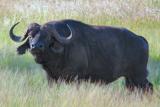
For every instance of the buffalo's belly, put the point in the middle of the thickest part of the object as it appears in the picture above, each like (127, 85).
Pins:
(100, 78)
(103, 73)
(104, 78)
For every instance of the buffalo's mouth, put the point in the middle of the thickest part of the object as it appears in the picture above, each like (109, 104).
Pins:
(35, 52)
(38, 57)
(40, 60)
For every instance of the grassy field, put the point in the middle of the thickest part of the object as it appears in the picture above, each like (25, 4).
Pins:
(23, 82)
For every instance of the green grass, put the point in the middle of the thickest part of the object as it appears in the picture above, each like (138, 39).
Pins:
(23, 82)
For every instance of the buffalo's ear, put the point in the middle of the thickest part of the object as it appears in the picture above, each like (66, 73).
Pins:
(23, 48)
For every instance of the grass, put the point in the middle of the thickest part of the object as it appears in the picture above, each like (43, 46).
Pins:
(23, 82)
(32, 91)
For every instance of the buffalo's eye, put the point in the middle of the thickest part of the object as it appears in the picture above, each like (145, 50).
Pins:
(30, 37)
(51, 45)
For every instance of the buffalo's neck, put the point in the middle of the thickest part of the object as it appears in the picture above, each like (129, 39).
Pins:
(53, 64)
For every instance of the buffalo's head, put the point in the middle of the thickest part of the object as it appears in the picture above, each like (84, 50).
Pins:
(43, 39)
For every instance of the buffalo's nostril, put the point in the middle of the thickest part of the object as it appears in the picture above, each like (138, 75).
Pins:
(37, 46)
(40, 46)
(32, 46)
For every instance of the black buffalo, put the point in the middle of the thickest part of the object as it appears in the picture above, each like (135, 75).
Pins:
(70, 50)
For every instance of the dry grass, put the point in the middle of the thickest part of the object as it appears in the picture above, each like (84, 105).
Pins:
(21, 90)
(115, 8)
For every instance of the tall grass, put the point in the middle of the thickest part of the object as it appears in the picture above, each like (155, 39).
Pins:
(23, 90)
(23, 82)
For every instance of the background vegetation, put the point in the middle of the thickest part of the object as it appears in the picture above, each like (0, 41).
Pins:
(23, 82)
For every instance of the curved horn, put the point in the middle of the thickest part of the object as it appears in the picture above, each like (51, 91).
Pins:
(14, 37)
(61, 39)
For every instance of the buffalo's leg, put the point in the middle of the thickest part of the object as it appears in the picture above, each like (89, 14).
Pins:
(50, 81)
(129, 84)
(140, 83)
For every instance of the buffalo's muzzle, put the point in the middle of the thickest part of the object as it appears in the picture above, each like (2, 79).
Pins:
(37, 47)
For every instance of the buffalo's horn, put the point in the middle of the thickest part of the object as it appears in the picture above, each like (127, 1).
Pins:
(14, 37)
(61, 39)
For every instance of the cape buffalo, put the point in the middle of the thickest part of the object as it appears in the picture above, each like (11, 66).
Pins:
(70, 49)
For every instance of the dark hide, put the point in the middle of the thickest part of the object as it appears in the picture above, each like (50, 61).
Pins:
(98, 53)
